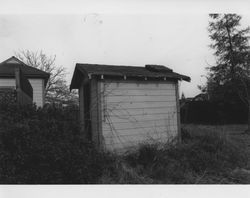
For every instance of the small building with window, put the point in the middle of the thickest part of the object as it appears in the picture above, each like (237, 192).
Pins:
(37, 78)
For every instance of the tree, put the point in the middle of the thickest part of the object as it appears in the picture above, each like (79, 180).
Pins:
(229, 78)
(56, 90)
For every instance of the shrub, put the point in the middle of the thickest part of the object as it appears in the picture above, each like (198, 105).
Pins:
(45, 146)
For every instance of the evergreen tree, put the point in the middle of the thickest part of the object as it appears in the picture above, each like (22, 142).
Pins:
(229, 79)
(232, 55)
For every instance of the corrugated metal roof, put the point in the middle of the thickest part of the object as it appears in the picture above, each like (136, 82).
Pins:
(7, 69)
(149, 71)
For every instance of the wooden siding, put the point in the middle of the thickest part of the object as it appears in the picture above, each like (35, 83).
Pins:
(37, 85)
(134, 113)
(7, 82)
(38, 91)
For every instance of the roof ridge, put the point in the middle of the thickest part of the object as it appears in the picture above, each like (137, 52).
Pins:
(85, 70)
(110, 65)
(24, 64)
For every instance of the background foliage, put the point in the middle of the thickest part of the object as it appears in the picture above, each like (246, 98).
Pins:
(214, 112)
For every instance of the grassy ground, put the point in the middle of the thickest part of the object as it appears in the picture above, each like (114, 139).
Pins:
(230, 132)
(207, 155)
(235, 134)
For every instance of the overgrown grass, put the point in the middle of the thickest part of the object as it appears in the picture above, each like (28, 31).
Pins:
(44, 146)
(208, 158)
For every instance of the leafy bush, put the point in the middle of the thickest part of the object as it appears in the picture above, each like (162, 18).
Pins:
(45, 146)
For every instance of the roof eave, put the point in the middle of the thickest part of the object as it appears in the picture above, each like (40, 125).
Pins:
(186, 78)
(78, 73)
(177, 76)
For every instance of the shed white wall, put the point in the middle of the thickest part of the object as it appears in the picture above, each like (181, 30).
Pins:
(37, 85)
(38, 91)
(134, 113)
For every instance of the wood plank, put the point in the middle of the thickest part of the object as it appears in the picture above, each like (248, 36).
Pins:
(142, 111)
(166, 89)
(111, 99)
(135, 108)
(100, 115)
(142, 124)
(136, 138)
(94, 112)
(149, 123)
(139, 85)
(178, 111)
(136, 105)
(138, 92)
(137, 118)
(81, 106)
(107, 130)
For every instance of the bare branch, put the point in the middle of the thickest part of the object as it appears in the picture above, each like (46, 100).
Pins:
(56, 88)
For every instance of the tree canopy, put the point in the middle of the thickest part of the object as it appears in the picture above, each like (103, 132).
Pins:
(229, 76)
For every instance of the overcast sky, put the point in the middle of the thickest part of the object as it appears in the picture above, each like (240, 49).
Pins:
(165, 33)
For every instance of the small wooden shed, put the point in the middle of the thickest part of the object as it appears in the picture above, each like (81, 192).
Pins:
(124, 106)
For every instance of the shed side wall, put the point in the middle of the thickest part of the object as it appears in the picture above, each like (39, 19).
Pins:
(38, 91)
(136, 113)
(37, 85)
(7, 82)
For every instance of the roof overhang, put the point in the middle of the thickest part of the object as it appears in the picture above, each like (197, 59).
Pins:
(82, 75)
(8, 66)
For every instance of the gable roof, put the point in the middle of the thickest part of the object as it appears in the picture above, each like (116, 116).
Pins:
(7, 69)
(85, 71)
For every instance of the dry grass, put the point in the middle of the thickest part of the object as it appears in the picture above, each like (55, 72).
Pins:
(207, 155)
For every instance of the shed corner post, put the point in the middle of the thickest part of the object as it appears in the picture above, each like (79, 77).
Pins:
(81, 107)
(178, 112)
(43, 93)
(18, 85)
(95, 112)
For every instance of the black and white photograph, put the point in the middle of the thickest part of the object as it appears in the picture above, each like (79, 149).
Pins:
(116, 94)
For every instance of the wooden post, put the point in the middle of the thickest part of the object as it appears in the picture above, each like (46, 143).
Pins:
(94, 112)
(100, 94)
(43, 93)
(18, 85)
(82, 110)
(178, 111)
